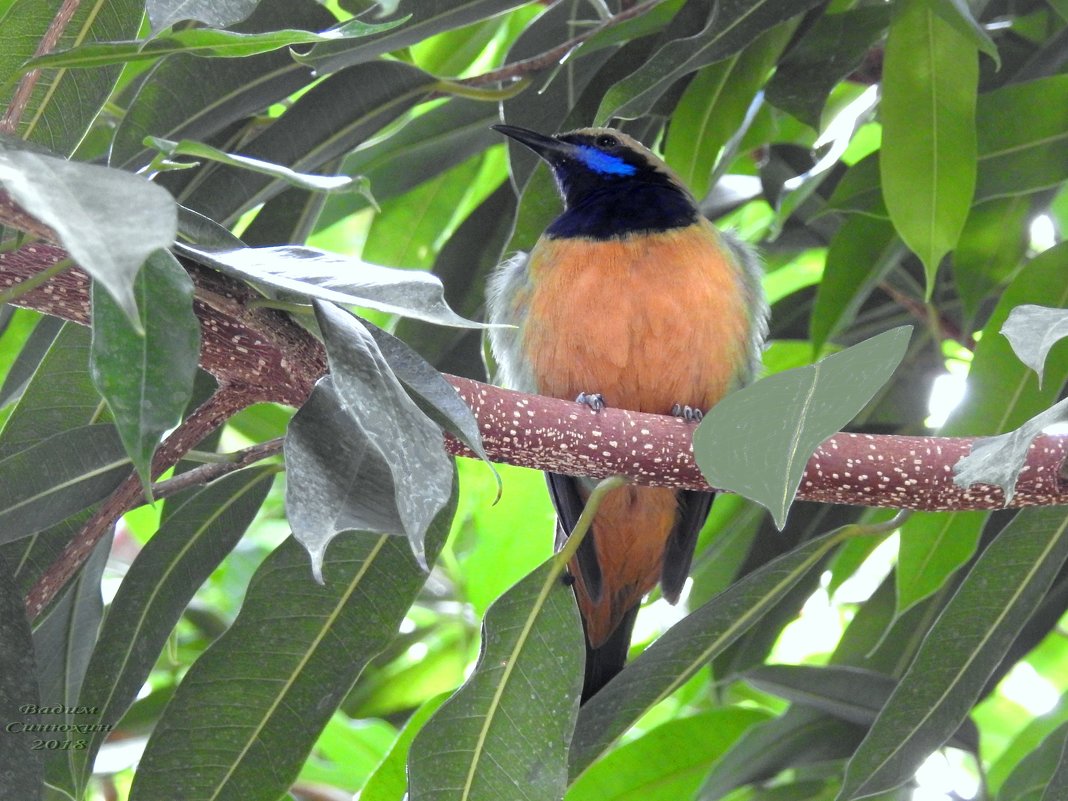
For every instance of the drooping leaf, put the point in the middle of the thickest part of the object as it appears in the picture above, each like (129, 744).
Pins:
(203, 42)
(1032, 331)
(279, 672)
(960, 16)
(757, 441)
(218, 13)
(63, 639)
(928, 156)
(733, 26)
(431, 392)
(197, 534)
(504, 734)
(960, 652)
(687, 647)
(147, 377)
(999, 460)
(109, 221)
(299, 274)
(67, 472)
(337, 481)
(23, 773)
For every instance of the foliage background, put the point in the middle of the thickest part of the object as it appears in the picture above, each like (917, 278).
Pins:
(896, 163)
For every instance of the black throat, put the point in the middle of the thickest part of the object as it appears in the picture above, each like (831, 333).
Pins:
(626, 208)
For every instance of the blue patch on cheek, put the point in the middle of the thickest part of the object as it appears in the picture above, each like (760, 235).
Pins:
(604, 163)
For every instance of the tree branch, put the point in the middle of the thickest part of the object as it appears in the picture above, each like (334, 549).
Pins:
(259, 354)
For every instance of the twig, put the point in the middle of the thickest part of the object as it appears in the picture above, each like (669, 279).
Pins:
(944, 327)
(10, 123)
(206, 473)
(528, 66)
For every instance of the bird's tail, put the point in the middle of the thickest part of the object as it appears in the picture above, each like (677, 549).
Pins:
(605, 661)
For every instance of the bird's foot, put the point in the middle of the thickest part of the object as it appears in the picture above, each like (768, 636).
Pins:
(687, 413)
(595, 400)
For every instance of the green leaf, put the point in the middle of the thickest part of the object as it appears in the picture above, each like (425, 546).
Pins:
(198, 533)
(687, 647)
(23, 772)
(424, 19)
(963, 648)
(220, 13)
(757, 441)
(852, 694)
(1031, 779)
(301, 274)
(992, 246)
(259, 697)
(668, 762)
(505, 732)
(432, 143)
(147, 377)
(337, 481)
(928, 157)
(318, 183)
(861, 254)
(1021, 149)
(389, 782)
(733, 26)
(333, 117)
(63, 639)
(1032, 331)
(798, 737)
(959, 15)
(713, 107)
(59, 396)
(203, 42)
(435, 396)
(109, 221)
(933, 546)
(828, 51)
(63, 104)
(185, 97)
(57, 477)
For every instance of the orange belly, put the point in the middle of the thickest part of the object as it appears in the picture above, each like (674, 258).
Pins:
(648, 321)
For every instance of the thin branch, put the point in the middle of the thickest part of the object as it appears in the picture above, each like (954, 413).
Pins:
(10, 122)
(542, 61)
(206, 473)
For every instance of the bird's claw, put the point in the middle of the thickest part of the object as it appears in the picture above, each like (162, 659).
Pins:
(687, 413)
(595, 400)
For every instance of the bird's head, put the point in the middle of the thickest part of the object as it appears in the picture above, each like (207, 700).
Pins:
(591, 160)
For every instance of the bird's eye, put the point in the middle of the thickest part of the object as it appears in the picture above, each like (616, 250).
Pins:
(606, 141)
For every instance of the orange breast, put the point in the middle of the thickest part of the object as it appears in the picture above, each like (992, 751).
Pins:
(648, 321)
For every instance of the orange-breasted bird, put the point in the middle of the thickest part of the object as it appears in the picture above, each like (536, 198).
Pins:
(630, 299)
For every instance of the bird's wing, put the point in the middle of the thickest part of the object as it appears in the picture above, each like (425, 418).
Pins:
(678, 551)
(564, 491)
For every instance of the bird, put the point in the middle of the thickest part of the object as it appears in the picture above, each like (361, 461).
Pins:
(629, 299)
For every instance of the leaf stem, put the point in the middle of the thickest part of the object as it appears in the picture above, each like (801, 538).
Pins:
(586, 518)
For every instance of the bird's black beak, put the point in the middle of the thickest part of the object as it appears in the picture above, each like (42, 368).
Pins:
(548, 147)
